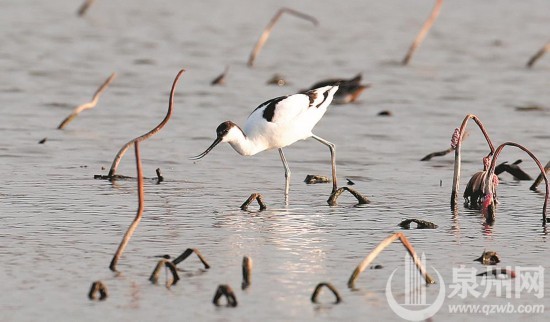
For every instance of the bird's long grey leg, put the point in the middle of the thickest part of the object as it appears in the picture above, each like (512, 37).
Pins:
(287, 174)
(332, 158)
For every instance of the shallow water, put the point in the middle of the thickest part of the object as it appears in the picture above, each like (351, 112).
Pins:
(61, 227)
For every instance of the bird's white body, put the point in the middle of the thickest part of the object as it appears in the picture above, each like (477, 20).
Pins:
(277, 123)
(293, 119)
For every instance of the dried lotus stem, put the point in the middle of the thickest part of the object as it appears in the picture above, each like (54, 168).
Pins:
(423, 32)
(538, 180)
(538, 55)
(255, 196)
(84, 7)
(267, 30)
(88, 105)
(187, 253)
(154, 278)
(489, 204)
(139, 214)
(376, 251)
(149, 134)
(456, 143)
(334, 196)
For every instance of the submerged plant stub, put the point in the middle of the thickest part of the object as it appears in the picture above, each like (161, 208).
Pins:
(187, 253)
(255, 196)
(156, 272)
(160, 178)
(247, 272)
(330, 287)
(98, 287)
(227, 291)
(313, 178)
(334, 196)
(421, 224)
(488, 258)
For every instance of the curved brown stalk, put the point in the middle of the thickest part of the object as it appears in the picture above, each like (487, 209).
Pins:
(139, 214)
(456, 142)
(330, 287)
(376, 251)
(538, 180)
(267, 30)
(154, 278)
(538, 55)
(149, 134)
(255, 196)
(226, 291)
(187, 253)
(361, 200)
(84, 7)
(88, 105)
(423, 32)
(489, 184)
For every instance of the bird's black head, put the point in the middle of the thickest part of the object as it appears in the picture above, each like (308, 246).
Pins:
(224, 128)
(221, 132)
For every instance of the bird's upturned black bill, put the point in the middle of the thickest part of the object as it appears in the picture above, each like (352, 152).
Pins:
(200, 156)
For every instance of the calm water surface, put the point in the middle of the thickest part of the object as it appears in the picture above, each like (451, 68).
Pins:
(60, 227)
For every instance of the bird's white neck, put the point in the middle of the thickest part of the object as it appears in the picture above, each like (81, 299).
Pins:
(241, 143)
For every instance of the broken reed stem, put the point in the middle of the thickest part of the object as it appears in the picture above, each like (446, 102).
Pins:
(330, 287)
(186, 254)
(267, 30)
(84, 7)
(247, 272)
(437, 154)
(88, 105)
(458, 144)
(149, 134)
(154, 278)
(538, 180)
(220, 80)
(334, 196)
(226, 291)
(489, 184)
(376, 251)
(442, 153)
(160, 178)
(255, 196)
(423, 32)
(139, 214)
(538, 55)
(98, 287)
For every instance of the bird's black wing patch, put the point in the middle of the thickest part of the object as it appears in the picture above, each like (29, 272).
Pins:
(269, 111)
